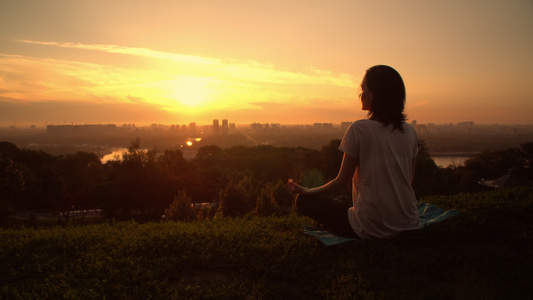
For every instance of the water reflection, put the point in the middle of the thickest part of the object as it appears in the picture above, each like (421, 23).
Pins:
(116, 154)
(446, 161)
(189, 152)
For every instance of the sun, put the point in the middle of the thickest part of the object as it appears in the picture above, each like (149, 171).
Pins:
(192, 91)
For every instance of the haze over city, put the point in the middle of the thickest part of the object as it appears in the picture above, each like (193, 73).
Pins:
(261, 61)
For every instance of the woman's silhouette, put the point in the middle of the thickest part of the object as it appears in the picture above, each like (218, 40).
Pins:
(379, 161)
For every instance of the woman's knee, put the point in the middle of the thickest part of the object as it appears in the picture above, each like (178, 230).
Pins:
(305, 204)
(301, 202)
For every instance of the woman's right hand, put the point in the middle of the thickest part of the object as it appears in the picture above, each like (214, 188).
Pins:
(296, 188)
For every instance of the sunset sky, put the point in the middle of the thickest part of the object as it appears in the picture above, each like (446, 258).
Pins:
(297, 61)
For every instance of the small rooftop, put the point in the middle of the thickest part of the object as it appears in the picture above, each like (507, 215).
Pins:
(513, 178)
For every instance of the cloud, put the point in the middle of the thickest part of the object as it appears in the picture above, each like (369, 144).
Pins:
(135, 99)
(145, 52)
(174, 83)
(80, 112)
(231, 68)
(32, 79)
(417, 104)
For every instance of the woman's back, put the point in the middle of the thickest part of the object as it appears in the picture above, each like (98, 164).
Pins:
(383, 199)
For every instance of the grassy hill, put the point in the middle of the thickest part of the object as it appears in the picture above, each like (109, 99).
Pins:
(484, 253)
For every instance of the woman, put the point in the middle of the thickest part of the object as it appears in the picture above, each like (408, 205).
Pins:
(379, 161)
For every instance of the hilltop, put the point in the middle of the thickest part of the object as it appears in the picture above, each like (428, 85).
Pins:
(484, 253)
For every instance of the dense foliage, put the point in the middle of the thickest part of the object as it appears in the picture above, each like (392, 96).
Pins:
(143, 183)
(240, 179)
(483, 253)
(433, 180)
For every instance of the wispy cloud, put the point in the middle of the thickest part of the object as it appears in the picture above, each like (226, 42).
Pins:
(167, 80)
(36, 79)
(238, 69)
(145, 52)
(417, 104)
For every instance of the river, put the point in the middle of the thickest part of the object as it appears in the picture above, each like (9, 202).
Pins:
(444, 161)
(441, 159)
(116, 154)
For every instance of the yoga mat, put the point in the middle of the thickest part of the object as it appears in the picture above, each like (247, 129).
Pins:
(428, 213)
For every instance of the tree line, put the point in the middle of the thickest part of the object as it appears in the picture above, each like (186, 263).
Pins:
(239, 180)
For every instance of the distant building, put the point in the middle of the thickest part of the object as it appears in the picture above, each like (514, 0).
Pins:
(174, 128)
(192, 128)
(73, 130)
(345, 125)
(421, 129)
(216, 127)
(431, 128)
(322, 125)
(128, 126)
(225, 127)
(275, 126)
(256, 126)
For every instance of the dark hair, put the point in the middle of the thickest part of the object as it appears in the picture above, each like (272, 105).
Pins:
(388, 96)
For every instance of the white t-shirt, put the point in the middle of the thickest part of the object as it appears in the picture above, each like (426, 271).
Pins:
(384, 202)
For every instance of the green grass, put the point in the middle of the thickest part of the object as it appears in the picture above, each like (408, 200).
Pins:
(484, 253)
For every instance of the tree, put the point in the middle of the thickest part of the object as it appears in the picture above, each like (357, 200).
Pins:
(81, 172)
(235, 199)
(146, 189)
(11, 184)
(332, 158)
(181, 208)
(173, 162)
(428, 179)
(207, 171)
(527, 149)
(491, 165)
(106, 196)
(53, 192)
(266, 202)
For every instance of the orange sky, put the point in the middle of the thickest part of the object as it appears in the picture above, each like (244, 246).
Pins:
(298, 61)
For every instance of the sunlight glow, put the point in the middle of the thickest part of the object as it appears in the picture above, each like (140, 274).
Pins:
(191, 91)
(178, 86)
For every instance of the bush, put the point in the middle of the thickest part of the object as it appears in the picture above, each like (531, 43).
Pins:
(266, 202)
(483, 253)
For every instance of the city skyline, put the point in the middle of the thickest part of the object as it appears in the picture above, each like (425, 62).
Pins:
(282, 62)
(31, 125)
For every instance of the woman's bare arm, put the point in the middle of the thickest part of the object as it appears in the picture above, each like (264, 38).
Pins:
(342, 181)
(413, 172)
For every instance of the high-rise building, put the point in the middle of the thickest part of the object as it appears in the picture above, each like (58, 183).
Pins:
(345, 125)
(216, 127)
(225, 129)
(192, 128)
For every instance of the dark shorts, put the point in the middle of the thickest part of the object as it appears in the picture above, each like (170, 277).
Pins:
(332, 214)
